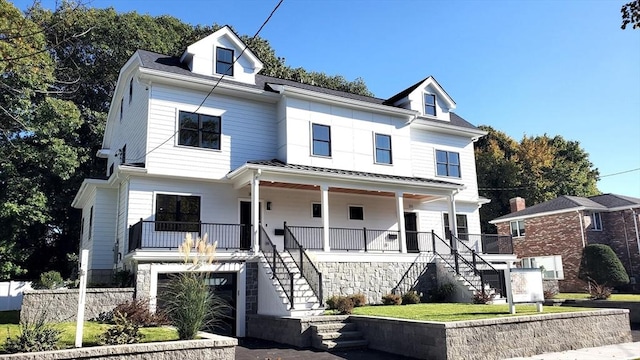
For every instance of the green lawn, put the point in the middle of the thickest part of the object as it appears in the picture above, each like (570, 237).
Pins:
(455, 312)
(614, 297)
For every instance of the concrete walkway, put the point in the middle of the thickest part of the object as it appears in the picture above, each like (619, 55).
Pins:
(624, 351)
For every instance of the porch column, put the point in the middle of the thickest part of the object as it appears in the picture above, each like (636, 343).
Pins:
(401, 227)
(255, 211)
(453, 227)
(325, 216)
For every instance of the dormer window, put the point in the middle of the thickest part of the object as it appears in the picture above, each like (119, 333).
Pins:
(430, 104)
(224, 61)
(130, 90)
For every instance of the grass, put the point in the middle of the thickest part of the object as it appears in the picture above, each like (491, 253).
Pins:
(9, 327)
(455, 312)
(583, 296)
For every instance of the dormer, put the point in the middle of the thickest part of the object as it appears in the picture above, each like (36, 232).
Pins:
(427, 98)
(217, 55)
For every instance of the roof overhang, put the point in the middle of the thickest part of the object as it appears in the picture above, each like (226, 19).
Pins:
(446, 128)
(85, 190)
(547, 213)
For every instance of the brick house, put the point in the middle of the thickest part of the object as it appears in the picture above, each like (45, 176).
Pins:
(552, 234)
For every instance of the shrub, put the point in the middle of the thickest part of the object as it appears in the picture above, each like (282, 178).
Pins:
(549, 293)
(599, 292)
(123, 278)
(50, 280)
(124, 331)
(392, 299)
(600, 265)
(35, 335)
(480, 297)
(442, 293)
(358, 300)
(411, 297)
(331, 302)
(345, 305)
(137, 311)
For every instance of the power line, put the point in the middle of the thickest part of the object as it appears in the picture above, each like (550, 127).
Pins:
(217, 82)
(505, 188)
(621, 172)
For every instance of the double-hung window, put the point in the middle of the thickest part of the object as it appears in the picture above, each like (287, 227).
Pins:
(447, 163)
(321, 140)
(430, 104)
(224, 61)
(177, 213)
(596, 221)
(461, 226)
(199, 130)
(517, 228)
(550, 266)
(383, 149)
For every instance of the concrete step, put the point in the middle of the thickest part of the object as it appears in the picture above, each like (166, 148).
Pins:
(329, 345)
(344, 335)
(334, 327)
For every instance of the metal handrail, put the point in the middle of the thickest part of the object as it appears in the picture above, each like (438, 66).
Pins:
(457, 258)
(279, 269)
(308, 269)
(475, 258)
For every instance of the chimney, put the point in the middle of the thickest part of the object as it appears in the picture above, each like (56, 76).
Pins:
(517, 204)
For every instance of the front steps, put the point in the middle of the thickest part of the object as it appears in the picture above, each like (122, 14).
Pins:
(467, 279)
(336, 333)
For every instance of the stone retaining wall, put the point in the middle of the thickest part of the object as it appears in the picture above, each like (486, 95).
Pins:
(496, 338)
(632, 306)
(213, 347)
(62, 304)
(291, 331)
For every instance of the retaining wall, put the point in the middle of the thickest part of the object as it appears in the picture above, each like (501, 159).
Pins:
(62, 304)
(632, 306)
(213, 347)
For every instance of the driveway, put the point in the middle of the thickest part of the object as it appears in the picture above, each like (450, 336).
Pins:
(254, 349)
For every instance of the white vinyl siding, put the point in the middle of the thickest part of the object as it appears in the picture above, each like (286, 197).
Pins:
(104, 228)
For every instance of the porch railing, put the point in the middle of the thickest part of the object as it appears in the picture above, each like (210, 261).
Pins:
(307, 268)
(170, 234)
(490, 243)
(308, 236)
(279, 270)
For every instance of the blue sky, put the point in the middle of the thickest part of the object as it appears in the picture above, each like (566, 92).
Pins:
(561, 67)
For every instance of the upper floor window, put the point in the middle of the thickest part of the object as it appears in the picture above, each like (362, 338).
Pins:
(430, 104)
(461, 226)
(383, 149)
(447, 163)
(90, 222)
(321, 140)
(199, 130)
(517, 228)
(177, 213)
(596, 221)
(224, 61)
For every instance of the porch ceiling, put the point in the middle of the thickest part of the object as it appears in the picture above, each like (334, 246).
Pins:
(283, 185)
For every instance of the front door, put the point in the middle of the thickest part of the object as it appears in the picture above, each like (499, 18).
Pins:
(411, 232)
(245, 222)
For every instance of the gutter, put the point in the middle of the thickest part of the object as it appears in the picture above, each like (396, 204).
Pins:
(580, 218)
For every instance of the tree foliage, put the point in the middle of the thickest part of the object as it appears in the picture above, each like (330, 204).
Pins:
(631, 14)
(601, 265)
(538, 168)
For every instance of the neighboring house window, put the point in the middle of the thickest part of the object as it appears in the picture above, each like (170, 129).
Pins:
(123, 154)
(517, 228)
(90, 222)
(447, 163)
(596, 221)
(130, 90)
(321, 140)
(551, 266)
(316, 210)
(121, 108)
(177, 213)
(383, 149)
(199, 130)
(224, 61)
(430, 104)
(82, 230)
(356, 213)
(461, 226)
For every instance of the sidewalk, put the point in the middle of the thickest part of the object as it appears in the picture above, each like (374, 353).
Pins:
(624, 351)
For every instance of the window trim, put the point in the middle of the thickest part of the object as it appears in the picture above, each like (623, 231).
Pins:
(445, 220)
(90, 223)
(448, 164)
(313, 140)
(349, 212)
(558, 268)
(178, 229)
(179, 111)
(230, 64)
(312, 210)
(593, 216)
(424, 104)
(376, 148)
(520, 234)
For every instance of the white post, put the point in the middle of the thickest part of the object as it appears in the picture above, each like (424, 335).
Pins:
(401, 225)
(453, 227)
(539, 307)
(255, 211)
(507, 283)
(324, 189)
(82, 293)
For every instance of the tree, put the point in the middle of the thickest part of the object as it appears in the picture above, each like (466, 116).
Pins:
(631, 14)
(538, 168)
(601, 266)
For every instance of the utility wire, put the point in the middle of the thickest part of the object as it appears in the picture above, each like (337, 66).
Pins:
(620, 173)
(217, 82)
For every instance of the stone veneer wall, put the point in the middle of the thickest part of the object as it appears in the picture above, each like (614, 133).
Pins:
(632, 306)
(252, 288)
(496, 338)
(213, 347)
(62, 304)
(285, 330)
(373, 279)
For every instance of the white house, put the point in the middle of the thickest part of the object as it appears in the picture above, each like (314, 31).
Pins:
(205, 144)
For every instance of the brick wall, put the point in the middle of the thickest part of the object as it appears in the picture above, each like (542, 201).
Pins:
(558, 234)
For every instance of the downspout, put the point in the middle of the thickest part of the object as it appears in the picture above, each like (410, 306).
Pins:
(626, 242)
(584, 244)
